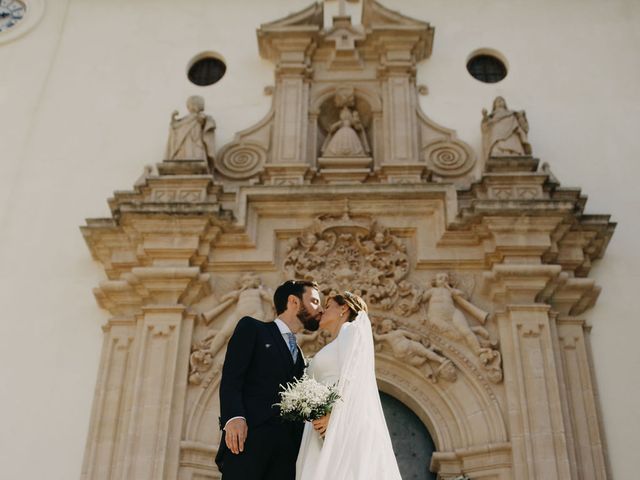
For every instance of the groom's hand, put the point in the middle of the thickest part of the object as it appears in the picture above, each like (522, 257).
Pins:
(236, 434)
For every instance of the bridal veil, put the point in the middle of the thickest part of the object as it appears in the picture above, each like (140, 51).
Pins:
(357, 445)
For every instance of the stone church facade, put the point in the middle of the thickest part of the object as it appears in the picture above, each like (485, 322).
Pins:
(475, 265)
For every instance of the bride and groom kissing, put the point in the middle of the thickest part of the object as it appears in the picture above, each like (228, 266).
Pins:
(350, 443)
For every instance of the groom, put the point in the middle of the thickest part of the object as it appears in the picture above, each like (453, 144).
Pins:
(256, 443)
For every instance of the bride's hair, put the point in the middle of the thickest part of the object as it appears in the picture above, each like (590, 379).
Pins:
(353, 301)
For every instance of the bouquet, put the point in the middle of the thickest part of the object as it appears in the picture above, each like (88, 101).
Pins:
(306, 399)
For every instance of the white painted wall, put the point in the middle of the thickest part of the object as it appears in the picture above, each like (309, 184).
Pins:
(85, 100)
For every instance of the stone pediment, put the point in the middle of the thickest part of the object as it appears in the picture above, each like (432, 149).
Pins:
(303, 24)
(311, 16)
(379, 19)
(383, 123)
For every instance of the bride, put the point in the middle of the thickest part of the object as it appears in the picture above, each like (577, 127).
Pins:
(352, 442)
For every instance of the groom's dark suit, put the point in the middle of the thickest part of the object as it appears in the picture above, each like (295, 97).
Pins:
(257, 362)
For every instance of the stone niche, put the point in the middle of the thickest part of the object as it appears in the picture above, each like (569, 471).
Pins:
(476, 278)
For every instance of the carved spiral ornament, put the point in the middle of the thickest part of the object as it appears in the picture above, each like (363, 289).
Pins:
(241, 161)
(448, 159)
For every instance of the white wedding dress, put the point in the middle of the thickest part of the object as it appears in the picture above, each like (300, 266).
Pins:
(357, 445)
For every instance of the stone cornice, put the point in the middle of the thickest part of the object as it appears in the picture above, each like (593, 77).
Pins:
(514, 198)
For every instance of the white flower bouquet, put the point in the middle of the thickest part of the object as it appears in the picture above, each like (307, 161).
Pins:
(306, 399)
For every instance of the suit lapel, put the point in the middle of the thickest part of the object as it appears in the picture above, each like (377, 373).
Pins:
(301, 363)
(278, 339)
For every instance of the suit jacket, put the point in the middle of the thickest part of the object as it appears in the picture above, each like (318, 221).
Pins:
(257, 363)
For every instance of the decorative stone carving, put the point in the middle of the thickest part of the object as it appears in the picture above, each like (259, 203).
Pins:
(242, 161)
(192, 136)
(444, 154)
(446, 319)
(448, 158)
(345, 56)
(249, 299)
(345, 151)
(245, 157)
(504, 131)
(345, 253)
(346, 137)
(409, 347)
(147, 171)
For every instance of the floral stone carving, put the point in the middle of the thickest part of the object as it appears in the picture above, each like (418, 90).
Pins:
(343, 253)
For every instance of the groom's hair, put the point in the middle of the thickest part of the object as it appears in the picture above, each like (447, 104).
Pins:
(290, 287)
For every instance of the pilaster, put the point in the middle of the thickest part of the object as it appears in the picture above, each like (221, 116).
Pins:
(534, 409)
(153, 250)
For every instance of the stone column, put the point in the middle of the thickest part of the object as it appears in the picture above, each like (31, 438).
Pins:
(153, 250)
(152, 439)
(138, 409)
(400, 157)
(291, 103)
(400, 119)
(531, 379)
(582, 417)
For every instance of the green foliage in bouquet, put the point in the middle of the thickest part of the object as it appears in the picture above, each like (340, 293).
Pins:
(307, 399)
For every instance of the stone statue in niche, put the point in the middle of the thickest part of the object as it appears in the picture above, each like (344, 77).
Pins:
(192, 136)
(249, 298)
(346, 137)
(408, 347)
(504, 131)
(445, 318)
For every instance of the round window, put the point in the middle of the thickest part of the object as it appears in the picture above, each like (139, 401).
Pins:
(486, 68)
(206, 70)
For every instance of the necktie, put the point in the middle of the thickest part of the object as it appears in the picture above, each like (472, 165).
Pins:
(293, 346)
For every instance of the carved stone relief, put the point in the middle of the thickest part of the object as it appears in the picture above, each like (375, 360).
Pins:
(250, 298)
(341, 252)
(445, 318)
(357, 254)
(414, 350)
(504, 131)
(192, 136)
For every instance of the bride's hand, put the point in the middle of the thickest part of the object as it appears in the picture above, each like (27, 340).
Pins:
(320, 425)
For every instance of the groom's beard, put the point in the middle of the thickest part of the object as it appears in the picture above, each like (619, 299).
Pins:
(309, 322)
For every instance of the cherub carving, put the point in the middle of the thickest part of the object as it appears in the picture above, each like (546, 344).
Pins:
(249, 299)
(408, 347)
(201, 359)
(445, 318)
(409, 298)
